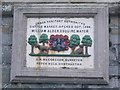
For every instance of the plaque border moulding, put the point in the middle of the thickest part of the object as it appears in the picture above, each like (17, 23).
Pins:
(98, 75)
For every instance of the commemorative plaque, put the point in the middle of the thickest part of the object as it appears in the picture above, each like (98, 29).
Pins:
(60, 44)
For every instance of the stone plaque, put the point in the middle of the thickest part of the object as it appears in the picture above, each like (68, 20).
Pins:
(60, 43)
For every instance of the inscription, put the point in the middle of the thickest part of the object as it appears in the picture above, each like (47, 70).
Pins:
(66, 63)
(60, 42)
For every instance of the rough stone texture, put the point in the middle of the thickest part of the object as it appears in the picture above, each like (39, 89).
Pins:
(0, 46)
(114, 56)
(60, 1)
(5, 74)
(6, 54)
(0, 76)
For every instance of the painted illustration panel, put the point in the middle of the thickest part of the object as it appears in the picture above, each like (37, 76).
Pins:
(60, 43)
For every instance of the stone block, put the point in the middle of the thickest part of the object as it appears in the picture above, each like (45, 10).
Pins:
(114, 38)
(0, 48)
(114, 21)
(0, 76)
(6, 39)
(5, 74)
(54, 85)
(112, 84)
(119, 83)
(113, 70)
(6, 56)
(113, 56)
(114, 51)
(7, 25)
(68, 1)
(7, 22)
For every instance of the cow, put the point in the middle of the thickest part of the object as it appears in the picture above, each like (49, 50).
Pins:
(43, 49)
(79, 50)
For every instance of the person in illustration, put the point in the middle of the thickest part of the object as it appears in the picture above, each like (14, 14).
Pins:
(63, 44)
(54, 43)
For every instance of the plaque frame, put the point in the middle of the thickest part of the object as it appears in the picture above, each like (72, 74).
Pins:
(98, 75)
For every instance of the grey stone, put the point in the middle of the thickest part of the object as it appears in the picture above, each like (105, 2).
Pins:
(7, 26)
(112, 84)
(6, 56)
(0, 34)
(6, 39)
(16, 86)
(54, 86)
(0, 46)
(5, 74)
(103, 1)
(7, 8)
(113, 70)
(119, 70)
(113, 55)
(114, 21)
(0, 76)
(114, 38)
(7, 22)
(119, 83)
(100, 75)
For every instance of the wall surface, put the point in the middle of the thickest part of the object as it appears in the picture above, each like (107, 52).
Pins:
(114, 50)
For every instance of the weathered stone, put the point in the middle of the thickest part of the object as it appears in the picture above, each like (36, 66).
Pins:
(5, 74)
(6, 56)
(0, 76)
(113, 84)
(7, 40)
(0, 46)
(113, 70)
(114, 21)
(54, 86)
(16, 86)
(103, 1)
(114, 39)
(7, 10)
(119, 82)
(7, 31)
(7, 22)
(0, 33)
(113, 56)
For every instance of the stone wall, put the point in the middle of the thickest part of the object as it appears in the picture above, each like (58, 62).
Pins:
(5, 65)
